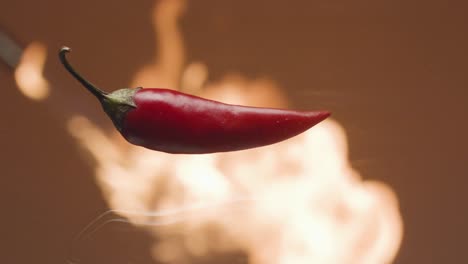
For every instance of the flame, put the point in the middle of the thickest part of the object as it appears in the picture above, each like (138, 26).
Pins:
(164, 70)
(298, 201)
(29, 72)
(301, 200)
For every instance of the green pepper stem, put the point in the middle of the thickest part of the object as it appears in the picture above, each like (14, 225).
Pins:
(91, 87)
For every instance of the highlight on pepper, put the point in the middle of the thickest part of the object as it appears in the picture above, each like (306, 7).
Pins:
(174, 122)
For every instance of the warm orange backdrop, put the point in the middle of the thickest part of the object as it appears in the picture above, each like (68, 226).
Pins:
(394, 73)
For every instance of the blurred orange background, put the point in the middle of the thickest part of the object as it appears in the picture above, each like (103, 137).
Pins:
(394, 74)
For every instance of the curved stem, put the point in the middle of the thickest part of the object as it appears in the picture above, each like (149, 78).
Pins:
(91, 87)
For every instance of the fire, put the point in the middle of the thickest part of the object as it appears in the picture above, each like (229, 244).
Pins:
(299, 201)
(29, 72)
(164, 70)
(303, 203)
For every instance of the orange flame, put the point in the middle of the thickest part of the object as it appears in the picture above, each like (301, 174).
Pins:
(301, 200)
(304, 202)
(29, 72)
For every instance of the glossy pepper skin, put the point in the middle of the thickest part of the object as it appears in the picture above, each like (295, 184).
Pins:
(174, 122)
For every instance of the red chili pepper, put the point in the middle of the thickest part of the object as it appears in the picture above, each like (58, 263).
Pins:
(174, 122)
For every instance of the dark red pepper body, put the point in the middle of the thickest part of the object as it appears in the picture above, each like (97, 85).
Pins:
(174, 122)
